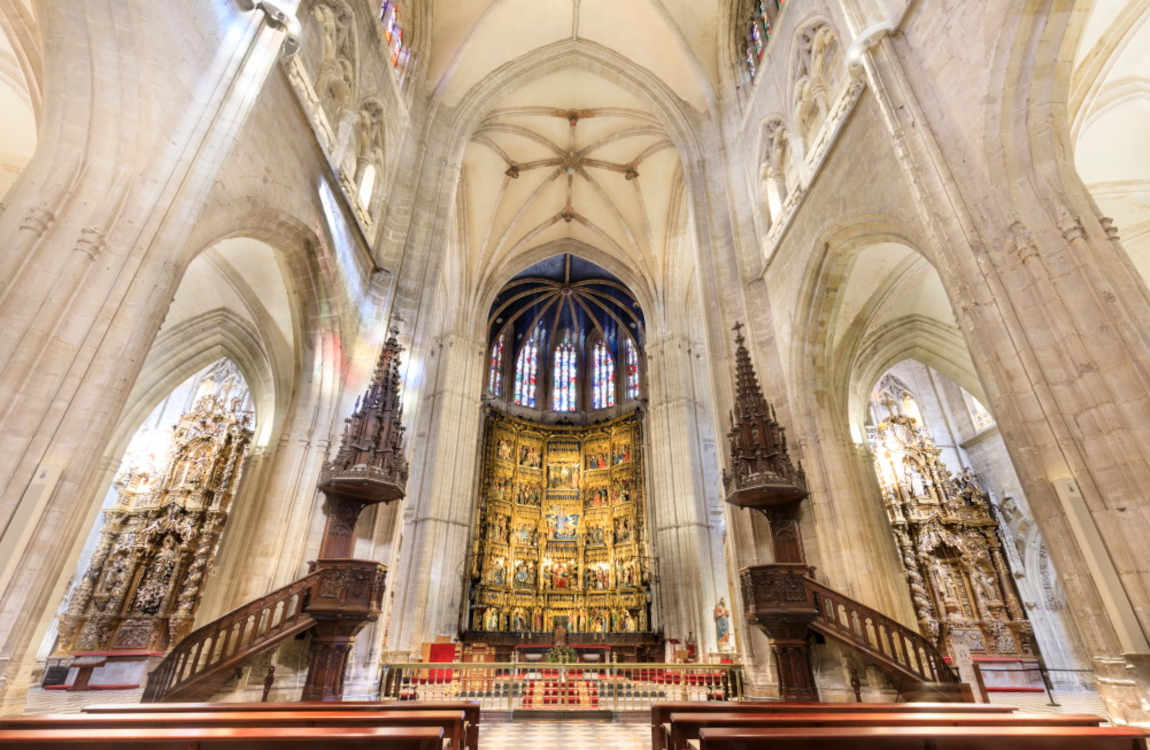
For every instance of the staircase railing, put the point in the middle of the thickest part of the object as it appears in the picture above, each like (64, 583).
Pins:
(891, 646)
(197, 662)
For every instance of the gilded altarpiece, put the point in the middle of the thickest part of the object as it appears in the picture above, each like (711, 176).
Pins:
(160, 537)
(560, 532)
(948, 538)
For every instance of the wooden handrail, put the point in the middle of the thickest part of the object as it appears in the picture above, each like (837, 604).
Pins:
(889, 644)
(231, 639)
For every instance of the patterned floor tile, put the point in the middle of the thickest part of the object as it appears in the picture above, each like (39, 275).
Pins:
(567, 735)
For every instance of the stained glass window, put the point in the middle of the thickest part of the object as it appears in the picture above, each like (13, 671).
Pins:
(495, 371)
(527, 368)
(631, 358)
(759, 33)
(602, 377)
(563, 387)
(398, 51)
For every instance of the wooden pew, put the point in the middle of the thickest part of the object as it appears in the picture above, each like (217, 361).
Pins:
(684, 727)
(470, 709)
(923, 738)
(452, 723)
(218, 738)
(661, 712)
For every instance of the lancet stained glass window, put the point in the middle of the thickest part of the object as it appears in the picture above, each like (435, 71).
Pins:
(758, 33)
(527, 369)
(632, 363)
(393, 33)
(495, 374)
(602, 377)
(563, 388)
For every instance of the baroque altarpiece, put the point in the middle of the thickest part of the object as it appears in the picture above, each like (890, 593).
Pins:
(948, 538)
(560, 534)
(159, 538)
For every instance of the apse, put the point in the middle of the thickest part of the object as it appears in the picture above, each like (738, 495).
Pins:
(565, 338)
(560, 534)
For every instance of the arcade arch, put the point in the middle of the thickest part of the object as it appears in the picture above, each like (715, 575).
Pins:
(1109, 106)
(20, 98)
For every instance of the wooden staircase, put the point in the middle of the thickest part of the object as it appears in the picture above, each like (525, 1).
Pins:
(789, 604)
(912, 662)
(201, 663)
(337, 598)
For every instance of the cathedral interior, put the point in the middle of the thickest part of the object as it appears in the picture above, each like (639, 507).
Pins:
(793, 347)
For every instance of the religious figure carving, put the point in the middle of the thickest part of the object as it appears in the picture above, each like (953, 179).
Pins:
(566, 544)
(144, 580)
(334, 79)
(722, 617)
(947, 534)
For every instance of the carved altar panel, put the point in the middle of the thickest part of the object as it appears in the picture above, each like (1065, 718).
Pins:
(949, 542)
(160, 537)
(560, 535)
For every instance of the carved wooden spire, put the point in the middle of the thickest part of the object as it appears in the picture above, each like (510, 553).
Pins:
(370, 465)
(761, 473)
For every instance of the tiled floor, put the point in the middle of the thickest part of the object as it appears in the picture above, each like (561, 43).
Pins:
(565, 735)
(615, 735)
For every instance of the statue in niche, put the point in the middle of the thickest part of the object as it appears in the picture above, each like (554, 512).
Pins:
(530, 457)
(626, 622)
(498, 575)
(157, 579)
(722, 617)
(334, 79)
(824, 55)
(491, 620)
(807, 111)
(503, 449)
(623, 530)
(518, 621)
(525, 573)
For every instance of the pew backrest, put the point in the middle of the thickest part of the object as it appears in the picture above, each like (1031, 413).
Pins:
(661, 712)
(684, 727)
(226, 738)
(452, 723)
(920, 738)
(470, 708)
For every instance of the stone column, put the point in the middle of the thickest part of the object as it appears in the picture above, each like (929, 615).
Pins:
(441, 491)
(682, 490)
(1053, 315)
(127, 154)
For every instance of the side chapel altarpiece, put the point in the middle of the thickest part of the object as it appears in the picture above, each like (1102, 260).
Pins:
(948, 538)
(560, 533)
(159, 539)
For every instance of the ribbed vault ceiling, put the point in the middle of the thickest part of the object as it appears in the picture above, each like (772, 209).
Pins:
(674, 39)
(571, 156)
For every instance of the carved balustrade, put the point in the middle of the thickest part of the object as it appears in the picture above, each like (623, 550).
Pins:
(787, 603)
(335, 599)
(231, 639)
(878, 637)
